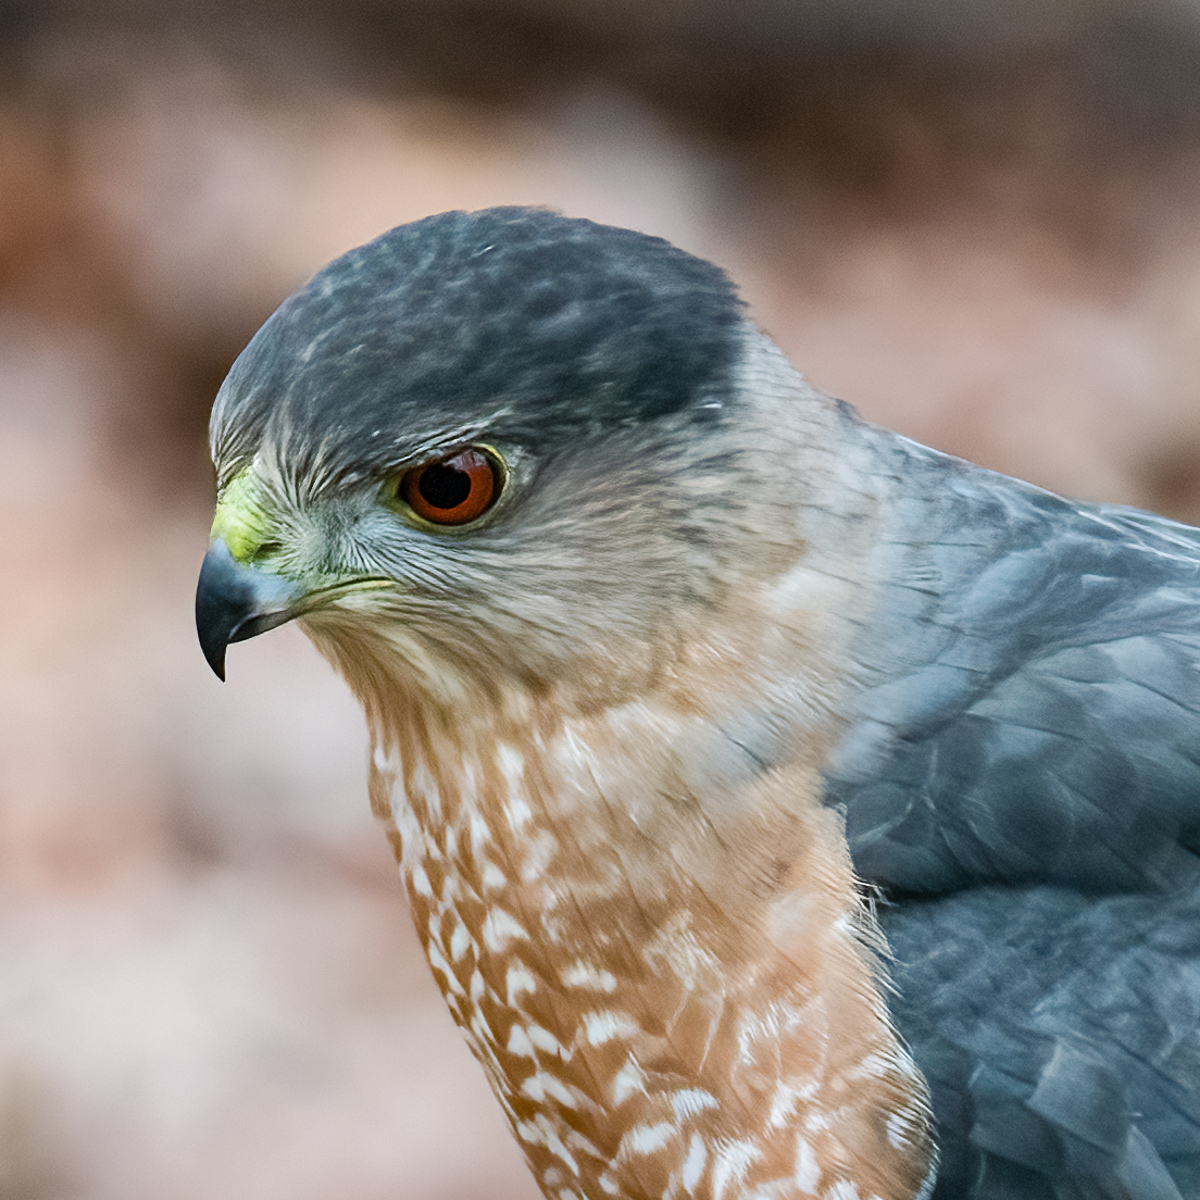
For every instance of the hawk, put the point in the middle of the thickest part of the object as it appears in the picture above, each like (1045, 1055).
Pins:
(786, 809)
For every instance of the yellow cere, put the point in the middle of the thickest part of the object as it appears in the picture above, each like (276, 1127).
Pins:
(240, 521)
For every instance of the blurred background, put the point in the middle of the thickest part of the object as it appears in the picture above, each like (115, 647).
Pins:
(978, 221)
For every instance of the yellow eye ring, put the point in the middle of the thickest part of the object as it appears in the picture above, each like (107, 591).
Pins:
(456, 489)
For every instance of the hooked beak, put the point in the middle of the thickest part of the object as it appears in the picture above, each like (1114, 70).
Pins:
(235, 602)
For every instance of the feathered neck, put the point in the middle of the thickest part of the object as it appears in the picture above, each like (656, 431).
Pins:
(654, 944)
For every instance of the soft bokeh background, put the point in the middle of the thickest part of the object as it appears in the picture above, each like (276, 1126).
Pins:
(979, 222)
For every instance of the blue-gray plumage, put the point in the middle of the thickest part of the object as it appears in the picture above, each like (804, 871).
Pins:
(675, 601)
(1022, 777)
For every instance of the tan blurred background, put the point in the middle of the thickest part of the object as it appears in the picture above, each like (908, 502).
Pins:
(979, 222)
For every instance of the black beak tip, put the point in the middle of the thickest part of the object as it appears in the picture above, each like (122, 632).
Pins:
(215, 657)
(215, 615)
(234, 603)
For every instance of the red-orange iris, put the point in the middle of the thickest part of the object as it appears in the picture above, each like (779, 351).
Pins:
(452, 490)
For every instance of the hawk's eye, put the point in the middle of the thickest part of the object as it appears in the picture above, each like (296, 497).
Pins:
(453, 490)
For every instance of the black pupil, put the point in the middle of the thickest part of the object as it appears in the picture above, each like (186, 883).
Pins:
(444, 486)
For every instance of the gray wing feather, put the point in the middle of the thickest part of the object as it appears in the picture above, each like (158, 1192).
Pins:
(1060, 1034)
(1021, 775)
(1031, 702)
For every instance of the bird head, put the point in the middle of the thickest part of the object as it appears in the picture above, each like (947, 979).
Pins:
(491, 449)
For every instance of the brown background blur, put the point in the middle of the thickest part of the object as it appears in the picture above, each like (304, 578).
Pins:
(980, 222)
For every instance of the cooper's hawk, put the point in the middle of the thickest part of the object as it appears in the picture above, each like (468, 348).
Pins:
(652, 640)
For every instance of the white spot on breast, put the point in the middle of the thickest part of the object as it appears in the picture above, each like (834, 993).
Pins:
(519, 813)
(545, 1041)
(602, 1027)
(630, 1080)
(479, 833)
(693, 1165)
(578, 749)
(766, 1028)
(438, 963)
(903, 1128)
(905, 1065)
(519, 1043)
(529, 1133)
(688, 1102)
(419, 882)
(783, 1103)
(500, 928)
(425, 788)
(583, 975)
(580, 1143)
(480, 1028)
(493, 877)
(733, 1160)
(843, 1189)
(511, 763)
(518, 980)
(549, 1138)
(646, 1139)
(678, 949)
(478, 986)
(460, 942)
(543, 1086)
(872, 1066)
(807, 1173)
(608, 1184)
(540, 855)
(412, 836)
